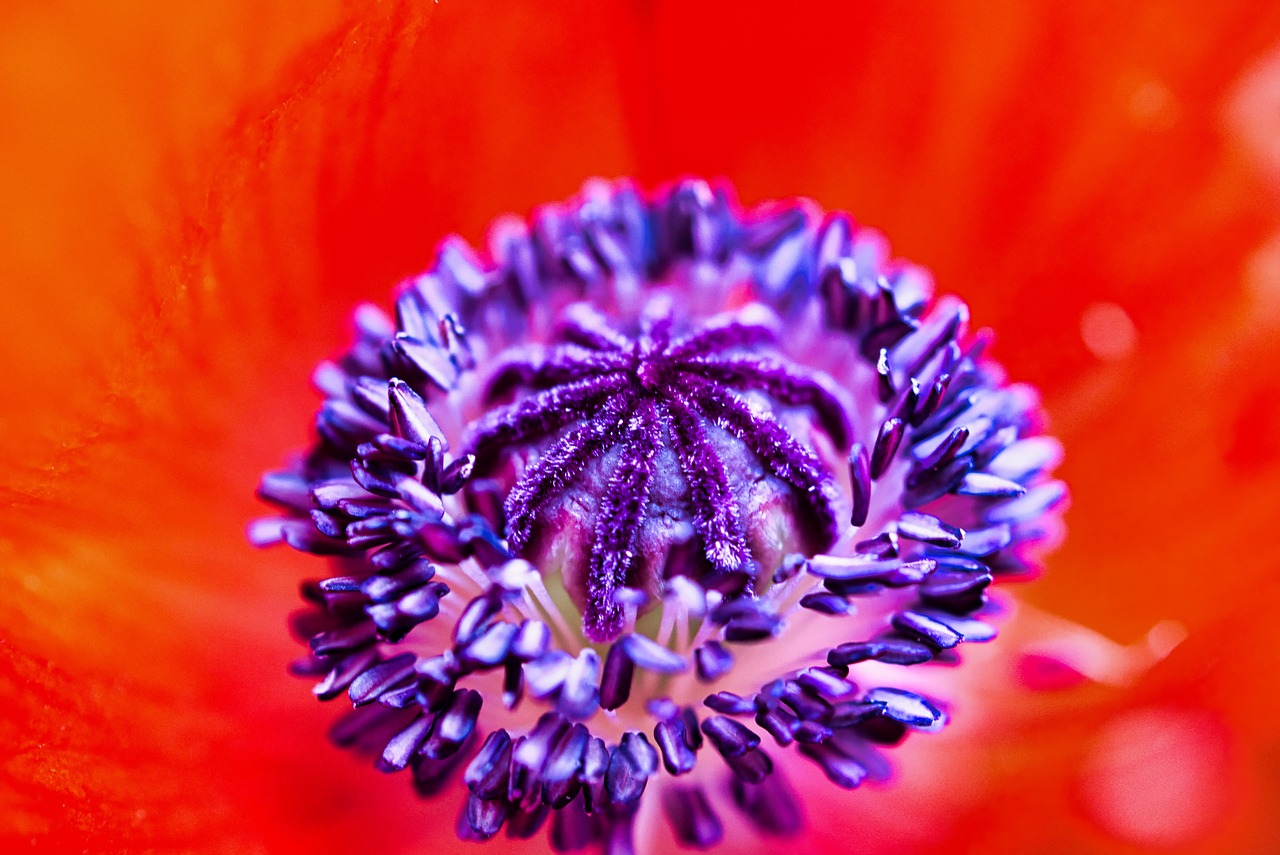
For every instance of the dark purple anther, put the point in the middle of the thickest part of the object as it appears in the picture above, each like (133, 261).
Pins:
(546, 673)
(928, 403)
(580, 693)
(886, 445)
(327, 494)
(425, 362)
(752, 766)
(595, 763)
(436, 677)
(394, 620)
(615, 682)
(769, 695)
(692, 818)
(812, 732)
(560, 774)
(376, 478)
(860, 484)
(343, 639)
(662, 709)
(648, 654)
(927, 628)
(512, 684)
(840, 572)
(730, 704)
(904, 403)
(645, 755)
(345, 424)
(400, 750)
(884, 376)
(713, 661)
(334, 585)
(294, 492)
(442, 542)
(625, 778)
(386, 446)
(907, 707)
(849, 713)
(475, 617)
(692, 729)
(806, 705)
(531, 641)
(400, 698)
(486, 776)
(929, 529)
(1034, 503)
(486, 816)
(453, 725)
(328, 525)
(825, 682)
(525, 821)
(844, 772)
(456, 474)
(729, 737)
(827, 604)
(397, 557)
(983, 542)
(950, 586)
(530, 754)
(1026, 458)
(892, 650)
(780, 724)
(378, 679)
(989, 486)
(382, 589)
(770, 805)
(969, 628)
(883, 546)
(935, 454)
(673, 743)
(489, 648)
(750, 624)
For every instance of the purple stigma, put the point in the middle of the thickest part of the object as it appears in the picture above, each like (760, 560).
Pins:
(649, 507)
(605, 421)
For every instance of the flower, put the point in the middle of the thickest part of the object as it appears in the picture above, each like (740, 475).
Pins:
(650, 401)
(194, 195)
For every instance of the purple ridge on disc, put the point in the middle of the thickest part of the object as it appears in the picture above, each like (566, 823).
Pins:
(582, 494)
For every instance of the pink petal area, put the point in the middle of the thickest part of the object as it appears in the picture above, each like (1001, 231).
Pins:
(1152, 776)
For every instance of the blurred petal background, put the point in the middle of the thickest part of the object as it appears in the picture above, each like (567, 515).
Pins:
(194, 197)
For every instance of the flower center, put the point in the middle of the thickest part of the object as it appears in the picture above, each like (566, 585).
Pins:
(650, 471)
(646, 459)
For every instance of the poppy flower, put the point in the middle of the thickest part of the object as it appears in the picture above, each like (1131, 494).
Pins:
(197, 199)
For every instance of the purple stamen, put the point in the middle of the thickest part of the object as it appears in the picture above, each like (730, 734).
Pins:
(692, 818)
(886, 446)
